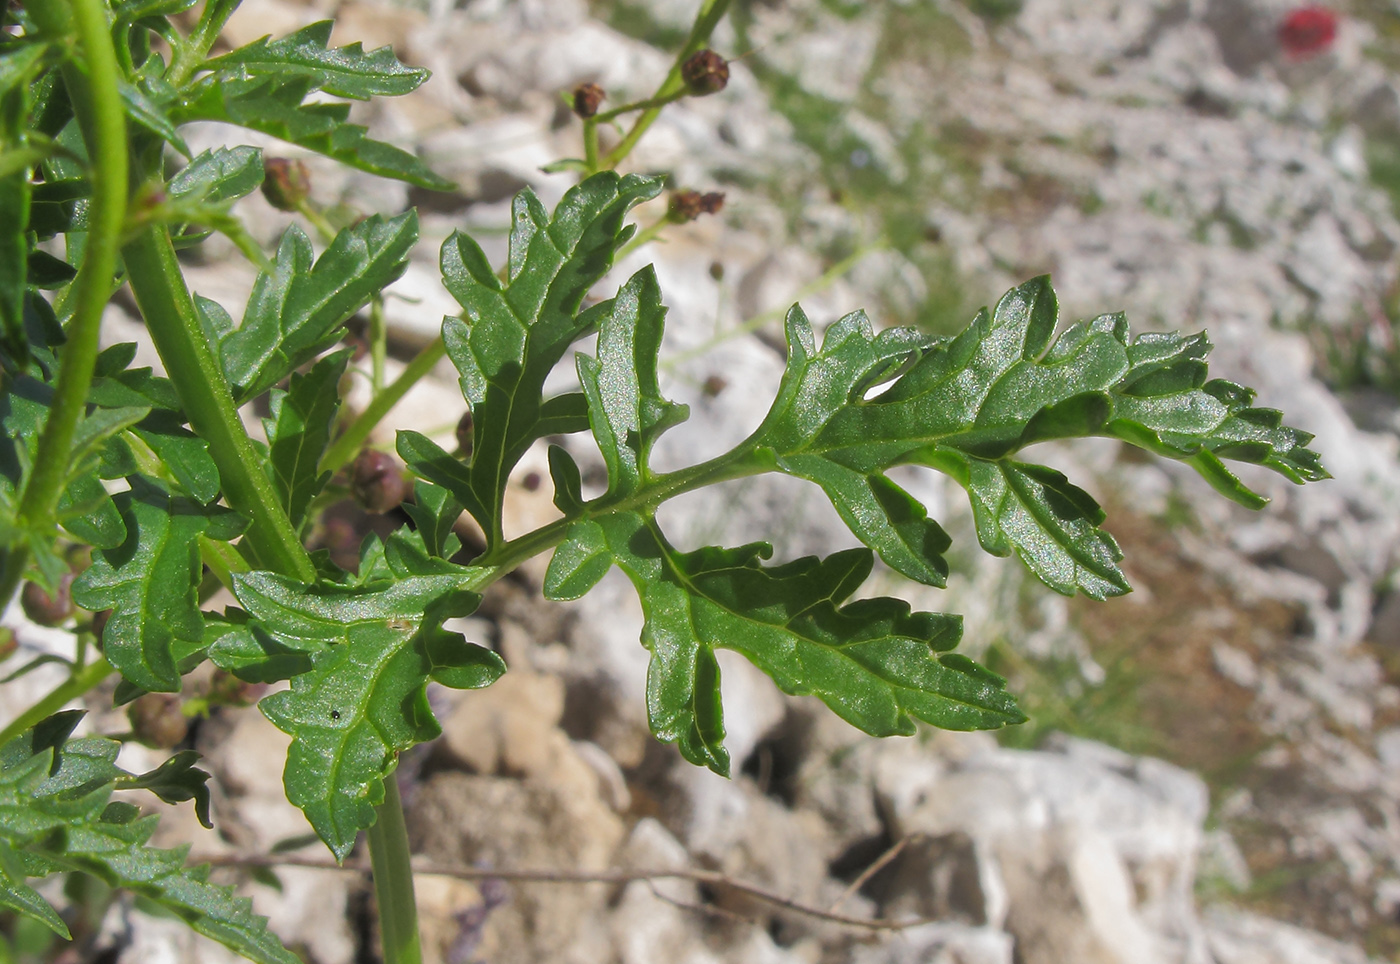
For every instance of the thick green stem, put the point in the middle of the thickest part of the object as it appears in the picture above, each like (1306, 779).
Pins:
(393, 880)
(710, 14)
(353, 439)
(97, 103)
(199, 380)
(67, 691)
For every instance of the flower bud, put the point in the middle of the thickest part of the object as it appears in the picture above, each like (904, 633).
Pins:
(587, 97)
(689, 205)
(44, 609)
(286, 183)
(157, 720)
(377, 482)
(705, 72)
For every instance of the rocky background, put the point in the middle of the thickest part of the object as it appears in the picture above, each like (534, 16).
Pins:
(1212, 769)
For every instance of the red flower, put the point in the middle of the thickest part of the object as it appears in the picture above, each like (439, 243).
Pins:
(1307, 31)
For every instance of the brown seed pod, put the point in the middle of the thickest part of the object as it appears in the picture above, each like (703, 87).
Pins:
(377, 481)
(689, 205)
(587, 97)
(156, 720)
(705, 72)
(44, 609)
(286, 183)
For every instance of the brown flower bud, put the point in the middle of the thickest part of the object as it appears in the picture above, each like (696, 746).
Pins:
(377, 482)
(156, 720)
(689, 205)
(587, 97)
(44, 609)
(286, 183)
(705, 72)
(464, 434)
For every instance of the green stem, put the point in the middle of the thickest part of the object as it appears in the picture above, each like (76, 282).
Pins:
(655, 102)
(393, 879)
(199, 380)
(590, 144)
(649, 233)
(706, 19)
(378, 344)
(508, 556)
(75, 686)
(346, 447)
(189, 56)
(97, 103)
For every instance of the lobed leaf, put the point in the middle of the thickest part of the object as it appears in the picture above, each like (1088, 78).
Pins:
(626, 408)
(272, 104)
(151, 581)
(512, 334)
(967, 404)
(57, 815)
(875, 663)
(371, 652)
(219, 176)
(345, 71)
(299, 431)
(297, 307)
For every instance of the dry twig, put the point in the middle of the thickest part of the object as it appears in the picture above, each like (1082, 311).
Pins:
(558, 876)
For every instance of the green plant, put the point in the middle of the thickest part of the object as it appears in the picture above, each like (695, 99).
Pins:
(88, 107)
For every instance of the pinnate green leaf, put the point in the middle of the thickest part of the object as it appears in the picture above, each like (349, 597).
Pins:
(297, 307)
(343, 71)
(219, 176)
(968, 404)
(624, 396)
(272, 104)
(372, 650)
(299, 431)
(57, 815)
(875, 663)
(513, 333)
(151, 581)
(175, 781)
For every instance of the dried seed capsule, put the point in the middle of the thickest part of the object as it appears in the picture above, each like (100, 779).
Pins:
(44, 609)
(689, 205)
(705, 72)
(286, 183)
(377, 482)
(157, 720)
(587, 97)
